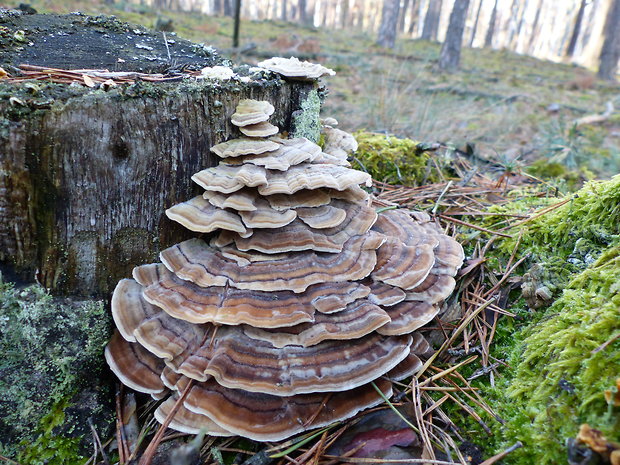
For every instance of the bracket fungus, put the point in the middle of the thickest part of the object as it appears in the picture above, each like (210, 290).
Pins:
(302, 296)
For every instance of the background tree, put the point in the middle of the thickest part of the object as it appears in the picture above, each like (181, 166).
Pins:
(610, 54)
(431, 20)
(570, 50)
(450, 54)
(389, 23)
(488, 39)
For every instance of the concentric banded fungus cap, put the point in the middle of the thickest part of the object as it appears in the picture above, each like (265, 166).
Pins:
(295, 69)
(227, 179)
(134, 365)
(195, 261)
(262, 417)
(263, 129)
(297, 235)
(283, 158)
(355, 321)
(252, 112)
(199, 215)
(244, 146)
(226, 305)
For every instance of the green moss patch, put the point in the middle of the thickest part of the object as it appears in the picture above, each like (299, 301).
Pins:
(561, 366)
(393, 160)
(51, 374)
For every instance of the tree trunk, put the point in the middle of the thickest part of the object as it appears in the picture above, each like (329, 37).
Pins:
(228, 9)
(450, 54)
(344, 13)
(284, 16)
(570, 50)
(610, 53)
(303, 13)
(237, 24)
(415, 19)
(534, 34)
(488, 39)
(475, 28)
(86, 175)
(431, 20)
(389, 23)
(403, 16)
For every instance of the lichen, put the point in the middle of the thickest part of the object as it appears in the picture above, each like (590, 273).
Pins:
(393, 160)
(305, 121)
(561, 366)
(51, 372)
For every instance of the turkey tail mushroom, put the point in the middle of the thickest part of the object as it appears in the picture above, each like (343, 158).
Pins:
(298, 306)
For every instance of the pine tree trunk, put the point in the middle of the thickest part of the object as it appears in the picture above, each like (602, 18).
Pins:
(284, 16)
(450, 55)
(389, 23)
(610, 53)
(431, 20)
(475, 28)
(572, 44)
(303, 14)
(402, 16)
(488, 39)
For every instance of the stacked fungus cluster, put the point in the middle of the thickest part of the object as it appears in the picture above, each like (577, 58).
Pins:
(302, 296)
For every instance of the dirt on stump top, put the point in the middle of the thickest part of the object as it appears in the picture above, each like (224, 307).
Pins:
(102, 42)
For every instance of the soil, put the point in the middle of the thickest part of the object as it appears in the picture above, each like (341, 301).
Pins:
(94, 42)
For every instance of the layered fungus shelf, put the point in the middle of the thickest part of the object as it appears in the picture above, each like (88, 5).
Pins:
(299, 300)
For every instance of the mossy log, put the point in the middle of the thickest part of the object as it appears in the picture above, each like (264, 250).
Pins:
(86, 174)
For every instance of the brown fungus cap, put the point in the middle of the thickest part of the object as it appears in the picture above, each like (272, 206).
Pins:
(227, 178)
(134, 365)
(266, 217)
(262, 417)
(302, 198)
(356, 320)
(407, 317)
(385, 295)
(284, 157)
(263, 129)
(251, 112)
(227, 305)
(237, 361)
(195, 261)
(187, 421)
(244, 146)
(242, 201)
(298, 236)
(199, 215)
(403, 266)
(434, 289)
(293, 68)
(325, 216)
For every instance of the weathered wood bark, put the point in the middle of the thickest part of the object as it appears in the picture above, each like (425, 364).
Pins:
(610, 53)
(389, 23)
(450, 55)
(86, 175)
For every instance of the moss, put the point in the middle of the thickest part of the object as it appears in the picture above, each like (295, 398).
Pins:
(561, 367)
(393, 160)
(51, 372)
(305, 121)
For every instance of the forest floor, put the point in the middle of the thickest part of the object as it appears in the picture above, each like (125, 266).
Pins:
(507, 378)
(508, 108)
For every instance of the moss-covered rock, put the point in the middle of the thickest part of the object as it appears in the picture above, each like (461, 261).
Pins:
(393, 160)
(51, 375)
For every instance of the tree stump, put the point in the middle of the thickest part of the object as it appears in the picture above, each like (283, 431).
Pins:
(86, 173)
